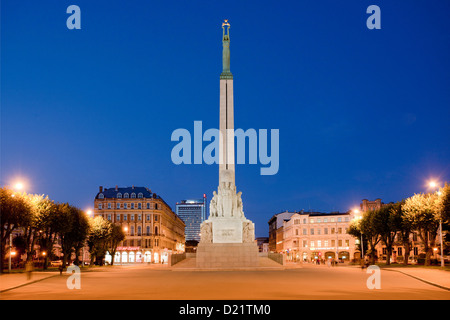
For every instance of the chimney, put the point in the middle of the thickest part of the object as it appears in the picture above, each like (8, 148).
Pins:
(101, 189)
(117, 187)
(132, 187)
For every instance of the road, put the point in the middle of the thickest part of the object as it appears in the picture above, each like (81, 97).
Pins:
(149, 283)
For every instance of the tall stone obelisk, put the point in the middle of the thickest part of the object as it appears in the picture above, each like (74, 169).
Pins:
(227, 237)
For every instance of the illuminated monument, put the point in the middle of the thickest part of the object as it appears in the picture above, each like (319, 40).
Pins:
(227, 237)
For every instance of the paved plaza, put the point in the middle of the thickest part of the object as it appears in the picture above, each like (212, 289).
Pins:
(293, 282)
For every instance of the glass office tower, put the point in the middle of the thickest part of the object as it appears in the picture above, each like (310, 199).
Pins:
(193, 213)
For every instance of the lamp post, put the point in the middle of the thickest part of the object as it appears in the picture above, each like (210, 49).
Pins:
(10, 252)
(434, 185)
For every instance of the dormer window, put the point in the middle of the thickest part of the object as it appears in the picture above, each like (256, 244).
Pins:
(126, 195)
(101, 196)
(133, 195)
(140, 195)
(119, 195)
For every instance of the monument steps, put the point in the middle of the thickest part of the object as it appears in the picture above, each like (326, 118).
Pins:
(265, 264)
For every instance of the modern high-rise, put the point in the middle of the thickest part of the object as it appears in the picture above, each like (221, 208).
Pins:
(193, 213)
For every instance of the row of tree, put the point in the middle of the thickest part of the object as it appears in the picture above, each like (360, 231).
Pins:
(394, 223)
(41, 222)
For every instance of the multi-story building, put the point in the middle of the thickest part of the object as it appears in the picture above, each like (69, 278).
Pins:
(152, 229)
(275, 234)
(310, 236)
(193, 213)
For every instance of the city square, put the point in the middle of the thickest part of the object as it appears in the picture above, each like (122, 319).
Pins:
(310, 177)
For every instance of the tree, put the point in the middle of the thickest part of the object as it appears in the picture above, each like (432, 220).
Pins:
(14, 213)
(405, 228)
(421, 210)
(388, 228)
(99, 235)
(371, 227)
(46, 225)
(117, 235)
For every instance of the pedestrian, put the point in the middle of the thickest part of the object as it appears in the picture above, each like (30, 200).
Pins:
(29, 269)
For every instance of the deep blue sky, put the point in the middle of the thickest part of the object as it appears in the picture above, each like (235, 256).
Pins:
(362, 113)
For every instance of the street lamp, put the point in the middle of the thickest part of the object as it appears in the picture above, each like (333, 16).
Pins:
(434, 185)
(359, 217)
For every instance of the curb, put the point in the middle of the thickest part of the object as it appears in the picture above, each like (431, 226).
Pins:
(27, 283)
(420, 279)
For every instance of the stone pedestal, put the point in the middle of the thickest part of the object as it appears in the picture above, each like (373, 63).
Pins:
(227, 255)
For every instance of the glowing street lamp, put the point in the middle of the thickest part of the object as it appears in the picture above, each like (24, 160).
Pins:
(19, 186)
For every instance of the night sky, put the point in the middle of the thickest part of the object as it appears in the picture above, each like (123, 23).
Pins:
(362, 114)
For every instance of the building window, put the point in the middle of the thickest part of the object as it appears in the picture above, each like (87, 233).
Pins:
(304, 220)
(332, 230)
(305, 243)
(109, 205)
(148, 205)
(156, 217)
(346, 219)
(339, 230)
(332, 220)
(325, 230)
(400, 251)
(100, 206)
(333, 243)
(139, 205)
(148, 230)
(126, 195)
(133, 195)
(132, 231)
(340, 243)
(119, 195)
(312, 244)
(156, 230)
(318, 231)
(118, 206)
(339, 219)
(325, 243)
(311, 220)
(101, 196)
(109, 217)
(148, 217)
(296, 232)
(347, 243)
(132, 206)
(139, 230)
(296, 221)
(325, 219)
(118, 217)
(319, 243)
(305, 232)
(124, 217)
(312, 232)
(139, 217)
(156, 206)
(140, 195)
(132, 217)
(318, 220)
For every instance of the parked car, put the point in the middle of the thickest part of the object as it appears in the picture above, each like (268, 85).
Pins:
(56, 263)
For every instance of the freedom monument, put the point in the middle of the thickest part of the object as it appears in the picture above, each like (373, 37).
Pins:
(227, 237)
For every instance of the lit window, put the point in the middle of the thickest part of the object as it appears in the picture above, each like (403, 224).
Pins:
(318, 220)
(311, 220)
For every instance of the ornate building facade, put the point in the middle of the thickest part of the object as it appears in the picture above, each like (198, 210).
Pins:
(153, 230)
